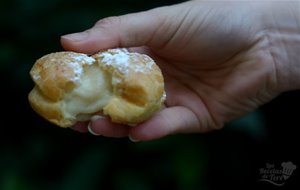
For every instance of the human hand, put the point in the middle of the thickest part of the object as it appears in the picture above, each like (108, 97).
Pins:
(215, 58)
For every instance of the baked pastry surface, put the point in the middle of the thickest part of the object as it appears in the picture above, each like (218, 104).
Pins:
(70, 87)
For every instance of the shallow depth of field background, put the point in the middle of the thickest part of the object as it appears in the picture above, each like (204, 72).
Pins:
(36, 155)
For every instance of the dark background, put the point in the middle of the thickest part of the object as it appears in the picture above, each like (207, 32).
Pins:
(36, 155)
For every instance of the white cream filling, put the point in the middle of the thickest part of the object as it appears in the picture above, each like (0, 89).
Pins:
(91, 95)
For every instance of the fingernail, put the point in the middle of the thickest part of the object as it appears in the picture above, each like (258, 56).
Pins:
(91, 131)
(94, 118)
(132, 139)
(76, 36)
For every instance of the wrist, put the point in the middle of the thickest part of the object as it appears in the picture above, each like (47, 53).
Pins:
(282, 29)
(287, 60)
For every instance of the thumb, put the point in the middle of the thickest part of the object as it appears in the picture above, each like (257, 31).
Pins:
(131, 30)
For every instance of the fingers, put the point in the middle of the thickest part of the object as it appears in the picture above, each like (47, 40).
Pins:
(130, 30)
(103, 126)
(80, 127)
(168, 121)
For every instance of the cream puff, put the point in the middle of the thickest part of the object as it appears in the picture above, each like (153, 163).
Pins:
(70, 87)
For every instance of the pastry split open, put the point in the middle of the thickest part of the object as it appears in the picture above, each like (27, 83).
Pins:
(70, 87)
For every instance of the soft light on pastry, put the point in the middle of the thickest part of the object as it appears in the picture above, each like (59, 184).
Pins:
(70, 87)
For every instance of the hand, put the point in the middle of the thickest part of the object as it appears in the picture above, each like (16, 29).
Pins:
(215, 58)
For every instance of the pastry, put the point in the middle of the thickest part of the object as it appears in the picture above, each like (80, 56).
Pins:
(70, 87)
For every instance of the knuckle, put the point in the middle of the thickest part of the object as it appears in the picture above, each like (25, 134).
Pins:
(107, 22)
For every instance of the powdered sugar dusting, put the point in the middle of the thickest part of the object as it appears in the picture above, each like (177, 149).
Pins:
(123, 60)
(164, 97)
(77, 68)
(116, 58)
(146, 67)
(35, 76)
(84, 59)
(79, 61)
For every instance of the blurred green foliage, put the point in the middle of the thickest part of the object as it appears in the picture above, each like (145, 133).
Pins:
(35, 155)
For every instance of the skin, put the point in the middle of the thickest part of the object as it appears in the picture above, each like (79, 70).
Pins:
(220, 60)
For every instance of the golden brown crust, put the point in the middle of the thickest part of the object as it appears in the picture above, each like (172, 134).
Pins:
(54, 73)
(129, 87)
(140, 90)
(48, 109)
